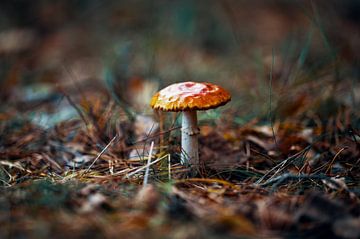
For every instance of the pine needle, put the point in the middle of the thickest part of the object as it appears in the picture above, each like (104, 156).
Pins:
(148, 164)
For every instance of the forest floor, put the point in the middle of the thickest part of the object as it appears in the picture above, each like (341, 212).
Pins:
(281, 160)
(76, 179)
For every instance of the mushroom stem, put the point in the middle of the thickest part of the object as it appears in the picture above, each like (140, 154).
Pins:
(189, 140)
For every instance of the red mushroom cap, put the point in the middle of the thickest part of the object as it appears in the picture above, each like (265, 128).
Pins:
(186, 96)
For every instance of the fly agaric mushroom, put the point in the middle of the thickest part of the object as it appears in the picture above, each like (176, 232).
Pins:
(189, 97)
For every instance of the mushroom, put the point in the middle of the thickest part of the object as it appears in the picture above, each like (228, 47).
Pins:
(189, 97)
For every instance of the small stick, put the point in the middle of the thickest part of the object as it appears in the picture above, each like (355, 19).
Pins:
(143, 167)
(270, 98)
(332, 161)
(280, 166)
(101, 153)
(156, 135)
(148, 164)
(169, 166)
(288, 176)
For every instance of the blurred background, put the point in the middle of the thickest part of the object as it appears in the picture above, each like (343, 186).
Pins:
(304, 54)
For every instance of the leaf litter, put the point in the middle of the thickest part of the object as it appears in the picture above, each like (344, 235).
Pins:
(74, 154)
(248, 186)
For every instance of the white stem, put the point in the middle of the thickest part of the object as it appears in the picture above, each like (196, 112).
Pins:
(189, 140)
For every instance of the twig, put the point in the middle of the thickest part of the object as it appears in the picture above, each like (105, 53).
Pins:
(270, 98)
(101, 153)
(288, 176)
(169, 166)
(156, 135)
(144, 146)
(332, 161)
(73, 104)
(9, 175)
(280, 166)
(144, 167)
(148, 164)
(8, 184)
